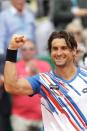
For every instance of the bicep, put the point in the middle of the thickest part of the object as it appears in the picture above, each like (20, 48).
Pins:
(21, 87)
(25, 86)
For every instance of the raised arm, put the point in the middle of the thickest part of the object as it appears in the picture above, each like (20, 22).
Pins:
(13, 84)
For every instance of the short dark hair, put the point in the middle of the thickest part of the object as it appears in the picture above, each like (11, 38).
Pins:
(69, 38)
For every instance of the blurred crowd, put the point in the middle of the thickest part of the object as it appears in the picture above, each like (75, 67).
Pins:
(36, 20)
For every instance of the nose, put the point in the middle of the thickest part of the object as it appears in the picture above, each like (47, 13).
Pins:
(59, 52)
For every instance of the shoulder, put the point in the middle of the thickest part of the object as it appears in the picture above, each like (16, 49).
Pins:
(4, 12)
(29, 13)
(4, 15)
(83, 71)
(20, 62)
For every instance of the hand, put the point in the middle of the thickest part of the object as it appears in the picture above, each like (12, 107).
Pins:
(81, 12)
(17, 41)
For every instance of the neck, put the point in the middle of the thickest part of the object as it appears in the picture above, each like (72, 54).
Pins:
(20, 10)
(28, 60)
(66, 73)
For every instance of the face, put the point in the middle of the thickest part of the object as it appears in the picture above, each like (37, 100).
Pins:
(19, 4)
(28, 51)
(61, 54)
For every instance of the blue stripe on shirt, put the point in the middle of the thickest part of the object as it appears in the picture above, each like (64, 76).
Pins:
(34, 81)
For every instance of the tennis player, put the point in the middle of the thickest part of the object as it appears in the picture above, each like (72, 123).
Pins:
(63, 90)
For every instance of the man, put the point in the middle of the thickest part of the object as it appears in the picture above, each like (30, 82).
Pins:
(16, 20)
(64, 90)
(23, 117)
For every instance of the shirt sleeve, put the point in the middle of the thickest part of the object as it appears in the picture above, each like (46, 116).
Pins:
(34, 81)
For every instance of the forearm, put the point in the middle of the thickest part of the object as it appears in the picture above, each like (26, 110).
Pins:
(10, 74)
(10, 77)
(79, 12)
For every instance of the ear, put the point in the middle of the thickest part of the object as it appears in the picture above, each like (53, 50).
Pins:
(74, 53)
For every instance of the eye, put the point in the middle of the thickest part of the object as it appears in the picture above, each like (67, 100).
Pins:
(64, 47)
(54, 48)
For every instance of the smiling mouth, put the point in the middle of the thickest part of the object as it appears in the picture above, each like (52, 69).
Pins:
(59, 59)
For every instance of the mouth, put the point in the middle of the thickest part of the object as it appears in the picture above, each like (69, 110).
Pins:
(59, 59)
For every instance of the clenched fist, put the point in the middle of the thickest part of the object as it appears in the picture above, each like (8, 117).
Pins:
(16, 42)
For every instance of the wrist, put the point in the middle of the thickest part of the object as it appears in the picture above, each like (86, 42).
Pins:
(11, 55)
(12, 48)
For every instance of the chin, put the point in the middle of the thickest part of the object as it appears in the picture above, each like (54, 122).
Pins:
(20, 8)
